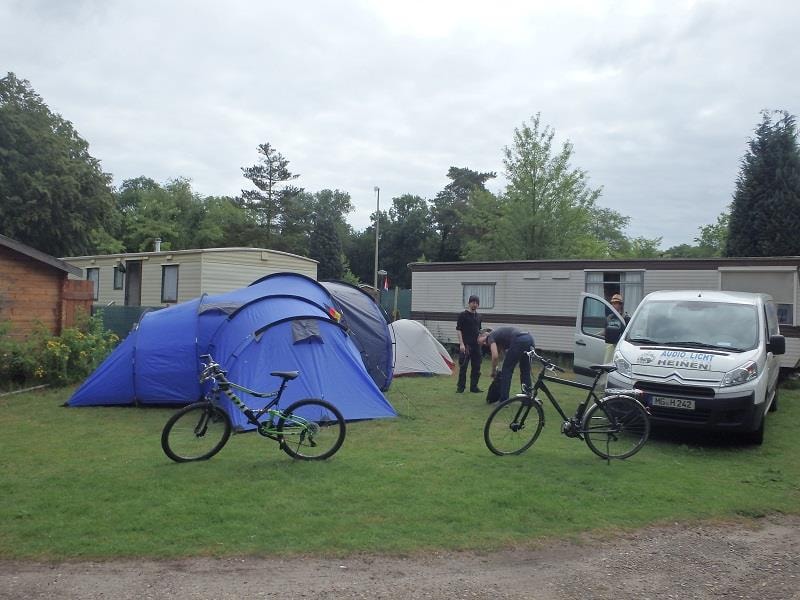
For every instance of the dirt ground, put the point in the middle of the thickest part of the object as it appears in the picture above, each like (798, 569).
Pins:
(750, 559)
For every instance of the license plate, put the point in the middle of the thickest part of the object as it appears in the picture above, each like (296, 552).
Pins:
(665, 402)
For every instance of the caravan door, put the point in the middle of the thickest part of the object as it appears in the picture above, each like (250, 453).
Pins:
(590, 341)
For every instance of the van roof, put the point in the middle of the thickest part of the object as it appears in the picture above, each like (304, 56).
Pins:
(710, 295)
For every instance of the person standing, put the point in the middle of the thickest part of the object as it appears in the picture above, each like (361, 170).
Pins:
(615, 327)
(514, 343)
(468, 327)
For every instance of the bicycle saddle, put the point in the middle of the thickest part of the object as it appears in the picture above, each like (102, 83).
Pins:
(604, 368)
(286, 374)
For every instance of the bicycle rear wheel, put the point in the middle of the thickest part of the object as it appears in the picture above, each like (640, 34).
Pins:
(513, 425)
(616, 427)
(311, 429)
(196, 432)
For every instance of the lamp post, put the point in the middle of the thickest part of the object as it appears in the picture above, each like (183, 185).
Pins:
(377, 224)
(383, 274)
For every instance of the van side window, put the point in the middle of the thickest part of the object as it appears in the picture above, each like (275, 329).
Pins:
(593, 319)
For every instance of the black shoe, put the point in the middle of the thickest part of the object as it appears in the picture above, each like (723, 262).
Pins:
(476, 390)
(459, 391)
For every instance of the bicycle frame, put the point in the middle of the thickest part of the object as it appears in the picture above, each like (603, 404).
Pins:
(541, 385)
(221, 384)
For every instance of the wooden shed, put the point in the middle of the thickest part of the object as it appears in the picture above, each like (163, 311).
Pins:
(163, 278)
(35, 289)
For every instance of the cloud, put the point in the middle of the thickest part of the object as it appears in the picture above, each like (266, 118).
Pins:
(657, 98)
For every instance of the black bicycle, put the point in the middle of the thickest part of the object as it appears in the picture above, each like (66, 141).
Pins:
(615, 425)
(310, 429)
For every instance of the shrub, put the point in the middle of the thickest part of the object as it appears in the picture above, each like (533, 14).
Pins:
(55, 360)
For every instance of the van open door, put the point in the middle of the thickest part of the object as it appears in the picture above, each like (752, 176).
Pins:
(590, 341)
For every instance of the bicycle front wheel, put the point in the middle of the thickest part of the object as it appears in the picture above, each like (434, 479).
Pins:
(513, 425)
(311, 429)
(616, 427)
(196, 432)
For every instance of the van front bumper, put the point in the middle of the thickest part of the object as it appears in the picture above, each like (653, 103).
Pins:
(709, 410)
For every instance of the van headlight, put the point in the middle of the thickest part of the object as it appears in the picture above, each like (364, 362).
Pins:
(623, 366)
(740, 375)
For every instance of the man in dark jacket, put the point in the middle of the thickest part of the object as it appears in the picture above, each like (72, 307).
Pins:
(467, 328)
(514, 342)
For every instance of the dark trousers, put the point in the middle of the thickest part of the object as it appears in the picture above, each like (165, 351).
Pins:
(515, 355)
(473, 360)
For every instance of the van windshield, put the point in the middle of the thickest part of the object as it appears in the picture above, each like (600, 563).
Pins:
(696, 324)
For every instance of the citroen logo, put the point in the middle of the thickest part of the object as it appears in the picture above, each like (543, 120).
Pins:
(647, 358)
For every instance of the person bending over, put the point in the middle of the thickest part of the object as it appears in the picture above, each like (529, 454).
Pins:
(514, 343)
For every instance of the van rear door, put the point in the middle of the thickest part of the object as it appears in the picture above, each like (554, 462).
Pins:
(590, 342)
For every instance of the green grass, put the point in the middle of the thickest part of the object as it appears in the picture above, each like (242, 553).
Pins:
(94, 483)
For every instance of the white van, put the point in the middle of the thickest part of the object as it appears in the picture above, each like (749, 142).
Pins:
(705, 359)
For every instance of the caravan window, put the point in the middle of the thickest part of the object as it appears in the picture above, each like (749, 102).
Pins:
(778, 282)
(169, 283)
(119, 278)
(607, 283)
(484, 291)
(93, 275)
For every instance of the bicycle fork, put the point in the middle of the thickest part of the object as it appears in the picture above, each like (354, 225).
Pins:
(522, 414)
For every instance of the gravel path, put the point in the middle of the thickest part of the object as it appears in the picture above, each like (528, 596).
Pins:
(753, 559)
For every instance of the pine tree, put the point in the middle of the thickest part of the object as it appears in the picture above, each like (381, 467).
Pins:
(765, 213)
(269, 201)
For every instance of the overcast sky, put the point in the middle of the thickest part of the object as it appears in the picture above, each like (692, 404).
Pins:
(657, 98)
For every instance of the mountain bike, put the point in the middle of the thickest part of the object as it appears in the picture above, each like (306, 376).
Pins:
(615, 425)
(309, 429)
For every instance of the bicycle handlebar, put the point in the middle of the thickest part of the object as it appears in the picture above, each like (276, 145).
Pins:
(549, 365)
(210, 368)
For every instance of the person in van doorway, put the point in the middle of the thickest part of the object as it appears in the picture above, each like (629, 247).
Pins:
(514, 343)
(468, 327)
(615, 327)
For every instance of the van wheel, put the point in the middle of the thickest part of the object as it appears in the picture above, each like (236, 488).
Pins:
(774, 406)
(756, 437)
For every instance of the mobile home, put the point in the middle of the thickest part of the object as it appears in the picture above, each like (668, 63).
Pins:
(163, 278)
(543, 295)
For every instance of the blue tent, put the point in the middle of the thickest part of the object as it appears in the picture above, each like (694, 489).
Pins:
(368, 327)
(282, 322)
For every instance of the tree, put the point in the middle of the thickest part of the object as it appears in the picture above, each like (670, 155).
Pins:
(710, 243)
(406, 237)
(326, 248)
(329, 228)
(548, 207)
(765, 213)
(487, 219)
(359, 248)
(714, 238)
(53, 194)
(449, 208)
(269, 201)
(172, 212)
